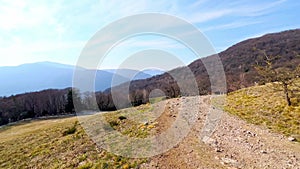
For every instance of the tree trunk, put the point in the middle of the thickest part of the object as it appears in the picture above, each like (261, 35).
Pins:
(286, 93)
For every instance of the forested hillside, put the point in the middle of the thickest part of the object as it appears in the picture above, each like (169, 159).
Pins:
(238, 62)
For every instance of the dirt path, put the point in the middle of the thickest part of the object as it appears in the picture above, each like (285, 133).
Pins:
(234, 143)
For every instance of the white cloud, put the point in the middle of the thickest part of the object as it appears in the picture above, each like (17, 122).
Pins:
(257, 9)
(31, 27)
(21, 52)
(200, 17)
(154, 42)
(26, 14)
(232, 25)
(198, 3)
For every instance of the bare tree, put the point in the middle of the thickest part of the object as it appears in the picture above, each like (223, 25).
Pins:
(283, 77)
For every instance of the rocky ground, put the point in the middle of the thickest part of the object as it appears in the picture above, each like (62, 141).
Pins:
(228, 143)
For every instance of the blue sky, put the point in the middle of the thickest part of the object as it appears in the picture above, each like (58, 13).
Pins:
(34, 31)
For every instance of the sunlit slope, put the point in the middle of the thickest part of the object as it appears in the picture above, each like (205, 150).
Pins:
(265, 105)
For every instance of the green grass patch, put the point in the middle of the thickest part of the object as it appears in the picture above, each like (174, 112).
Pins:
(156, 99)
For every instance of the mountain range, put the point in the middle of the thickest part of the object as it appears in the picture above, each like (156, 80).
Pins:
(45, 75)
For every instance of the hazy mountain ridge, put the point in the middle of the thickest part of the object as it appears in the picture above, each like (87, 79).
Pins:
(44, 75)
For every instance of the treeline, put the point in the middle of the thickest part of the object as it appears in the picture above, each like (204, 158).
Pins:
(54, 102)
(129, 94)
(32, 105)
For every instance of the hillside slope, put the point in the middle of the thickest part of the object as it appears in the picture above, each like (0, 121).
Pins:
(266, 105)
(238, 62)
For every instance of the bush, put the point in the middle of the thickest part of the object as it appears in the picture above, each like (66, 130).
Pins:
(71, 130)
(122, 117)
(113, 123)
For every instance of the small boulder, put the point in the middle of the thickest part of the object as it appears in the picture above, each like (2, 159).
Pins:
(208, 140)
(226, 160)
(292, 139)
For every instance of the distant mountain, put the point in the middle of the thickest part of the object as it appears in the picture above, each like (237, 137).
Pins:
(134, 74)
(44, 75)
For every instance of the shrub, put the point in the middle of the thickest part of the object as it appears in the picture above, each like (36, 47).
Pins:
(122, 117)
(113, 123)
(71, 130)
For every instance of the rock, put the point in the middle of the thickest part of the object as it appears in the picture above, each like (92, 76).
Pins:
(292, 139)
(250, 134)
(263, 152)
(218, 150)
(226, 160)
(208, 140)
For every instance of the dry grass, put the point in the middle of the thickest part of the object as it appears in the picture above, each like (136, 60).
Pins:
(48, 144)
(133, 122)
(262, 105)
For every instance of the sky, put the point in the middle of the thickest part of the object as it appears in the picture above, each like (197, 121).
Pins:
(57, 31)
